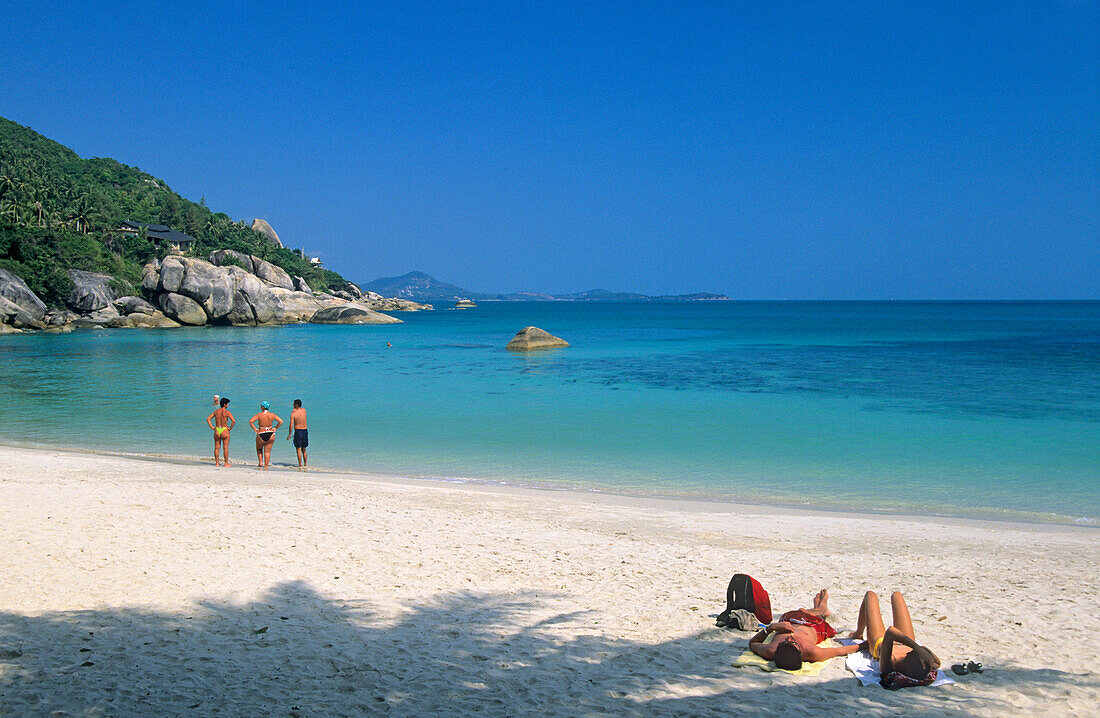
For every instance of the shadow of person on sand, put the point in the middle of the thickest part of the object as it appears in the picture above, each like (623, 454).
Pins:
(296, 652)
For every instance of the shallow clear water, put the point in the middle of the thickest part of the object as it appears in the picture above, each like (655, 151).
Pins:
(976, 409)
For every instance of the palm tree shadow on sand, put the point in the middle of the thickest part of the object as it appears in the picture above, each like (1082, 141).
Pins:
(296, 652)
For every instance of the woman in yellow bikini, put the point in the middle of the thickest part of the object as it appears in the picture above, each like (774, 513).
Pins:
(902, 661)
(221, 421)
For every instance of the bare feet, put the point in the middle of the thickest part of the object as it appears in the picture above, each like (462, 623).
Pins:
(855, 635)
(821, 603)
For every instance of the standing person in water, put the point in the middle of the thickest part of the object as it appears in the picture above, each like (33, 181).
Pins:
(221, 421)
(301, 433)
(264, 424)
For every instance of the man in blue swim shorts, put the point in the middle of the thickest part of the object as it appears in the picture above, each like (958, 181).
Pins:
(300, 432)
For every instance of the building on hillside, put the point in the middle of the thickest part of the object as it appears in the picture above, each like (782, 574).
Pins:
(313, 261)
(161, 234)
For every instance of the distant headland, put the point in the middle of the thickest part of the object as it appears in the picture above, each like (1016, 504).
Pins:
(420, 287)
(94, 243)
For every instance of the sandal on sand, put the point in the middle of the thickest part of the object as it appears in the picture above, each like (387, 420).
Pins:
(961, 669)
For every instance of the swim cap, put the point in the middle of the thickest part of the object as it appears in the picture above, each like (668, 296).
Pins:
(265, 405)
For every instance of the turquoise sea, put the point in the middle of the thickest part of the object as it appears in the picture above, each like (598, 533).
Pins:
(984, 409)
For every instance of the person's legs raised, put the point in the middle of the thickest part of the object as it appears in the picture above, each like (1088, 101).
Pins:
(869, 620)
(900, 611)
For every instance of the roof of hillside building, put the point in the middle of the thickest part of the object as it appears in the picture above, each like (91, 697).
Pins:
(159, 232)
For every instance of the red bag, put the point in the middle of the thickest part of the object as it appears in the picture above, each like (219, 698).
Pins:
(746, 592)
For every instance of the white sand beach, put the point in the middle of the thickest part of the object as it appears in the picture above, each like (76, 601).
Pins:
(152, 587)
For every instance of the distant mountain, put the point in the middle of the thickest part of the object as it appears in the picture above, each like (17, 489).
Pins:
(420, 287)
(417, 286)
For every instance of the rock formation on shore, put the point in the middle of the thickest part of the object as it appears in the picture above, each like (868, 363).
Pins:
(261, 226)
(231, 289)
(91, 291)
(19, 306)
(352, 313)
(530, 338)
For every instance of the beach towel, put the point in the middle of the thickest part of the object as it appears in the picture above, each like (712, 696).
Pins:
(748, 658)
(866, 668)
(744, 619)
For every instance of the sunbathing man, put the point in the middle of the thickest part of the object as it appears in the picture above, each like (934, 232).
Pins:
(264, 424)
(221, 421)
(795, 637)
(902, 661)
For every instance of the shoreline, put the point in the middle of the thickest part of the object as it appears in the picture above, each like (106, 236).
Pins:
(699, 503)
(141, 585)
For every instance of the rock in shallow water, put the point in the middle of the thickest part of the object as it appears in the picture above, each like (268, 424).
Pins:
(530, 338)
(156, 320)
(352, 313)
(292, 307)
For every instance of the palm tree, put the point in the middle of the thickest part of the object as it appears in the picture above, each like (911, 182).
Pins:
(9, 209)
(7, 182)
(39, 210)
(80, 214)
(25, 214)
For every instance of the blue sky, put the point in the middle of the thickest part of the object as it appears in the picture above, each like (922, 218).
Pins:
(849, 150)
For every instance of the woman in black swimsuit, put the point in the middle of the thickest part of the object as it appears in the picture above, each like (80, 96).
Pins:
(264, 424)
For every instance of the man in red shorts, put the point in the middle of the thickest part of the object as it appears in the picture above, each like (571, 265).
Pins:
(794, 637)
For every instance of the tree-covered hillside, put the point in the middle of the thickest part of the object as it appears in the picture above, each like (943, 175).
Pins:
(58, 212)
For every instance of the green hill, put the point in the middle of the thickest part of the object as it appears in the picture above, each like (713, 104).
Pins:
(58, 212)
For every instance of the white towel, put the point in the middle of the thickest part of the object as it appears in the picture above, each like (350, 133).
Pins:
(867, 671)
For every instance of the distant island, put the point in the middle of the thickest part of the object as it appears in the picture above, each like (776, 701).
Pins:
(420, 287)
